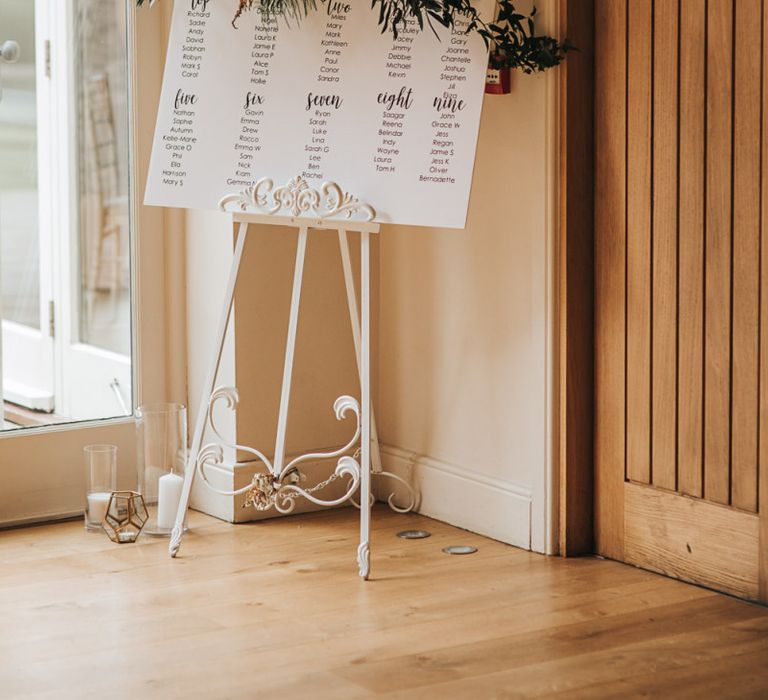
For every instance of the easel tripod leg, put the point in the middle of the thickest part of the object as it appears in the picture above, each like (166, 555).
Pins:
(364, 550)
(290, 348)
(208, 387)
(354, 317)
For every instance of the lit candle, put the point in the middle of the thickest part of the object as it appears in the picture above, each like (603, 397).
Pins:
(168, 496)
(97, 506)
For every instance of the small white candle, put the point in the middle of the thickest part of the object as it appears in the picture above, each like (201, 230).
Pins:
(97, 506)
(168, 496)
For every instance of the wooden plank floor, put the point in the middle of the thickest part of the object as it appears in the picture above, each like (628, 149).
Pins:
(275, 609)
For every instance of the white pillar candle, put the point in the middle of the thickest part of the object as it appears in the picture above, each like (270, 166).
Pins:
(168, 496)
(97, 506)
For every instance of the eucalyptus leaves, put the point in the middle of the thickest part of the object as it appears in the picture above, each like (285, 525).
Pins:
(511, 38)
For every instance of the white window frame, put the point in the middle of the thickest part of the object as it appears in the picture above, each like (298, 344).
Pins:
(30, 351)
(50, 371)
(75, 360)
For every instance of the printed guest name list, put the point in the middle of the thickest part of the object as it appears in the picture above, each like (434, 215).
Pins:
(392, 119)
(181, 138)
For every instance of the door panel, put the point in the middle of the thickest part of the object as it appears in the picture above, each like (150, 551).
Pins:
(681, 376)
(691, 539)
(25, 211)
(690, 298)
(746, 256)
(639, 242)
(664, 258)
(94, 358)
(717, 266)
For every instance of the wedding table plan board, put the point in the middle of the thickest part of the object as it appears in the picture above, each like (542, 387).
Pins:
(329, 97)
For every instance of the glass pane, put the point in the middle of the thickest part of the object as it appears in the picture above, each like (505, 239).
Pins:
(64, 213)
(104, 304)
(19, 243)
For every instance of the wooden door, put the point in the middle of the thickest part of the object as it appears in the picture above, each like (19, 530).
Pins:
(681, 226)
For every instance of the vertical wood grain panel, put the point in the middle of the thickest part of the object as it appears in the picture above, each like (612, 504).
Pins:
(610, 210)
(691, 270)
(639, 42)
(693, 540)
(746, 254)
(717, 338)
(665, 178)
(762, 504)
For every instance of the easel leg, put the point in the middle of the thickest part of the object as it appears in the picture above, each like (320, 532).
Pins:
(290, 347)
(364, 550)
(208, 386)
(354, 318)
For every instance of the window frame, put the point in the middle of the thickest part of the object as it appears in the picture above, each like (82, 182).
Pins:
(42, 476)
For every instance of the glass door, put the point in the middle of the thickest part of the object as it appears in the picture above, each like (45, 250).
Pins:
(95, 362)
(25, 209)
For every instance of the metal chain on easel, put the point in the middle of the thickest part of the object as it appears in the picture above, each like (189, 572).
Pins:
(263, 492)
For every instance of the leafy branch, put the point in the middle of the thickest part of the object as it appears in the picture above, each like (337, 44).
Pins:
(511, 38)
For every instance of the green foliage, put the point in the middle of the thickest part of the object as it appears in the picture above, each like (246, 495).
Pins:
(511, 38)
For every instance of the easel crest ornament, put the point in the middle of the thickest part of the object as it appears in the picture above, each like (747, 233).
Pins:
(299, 198)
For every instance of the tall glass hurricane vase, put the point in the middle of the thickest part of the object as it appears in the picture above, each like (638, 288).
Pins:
(100, 482)
(161, 450)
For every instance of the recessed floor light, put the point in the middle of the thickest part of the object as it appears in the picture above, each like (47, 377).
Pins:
(414, 534)
(460, 549)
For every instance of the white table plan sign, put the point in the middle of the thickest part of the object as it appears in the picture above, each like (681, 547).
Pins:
(298, 206)
(329, 98)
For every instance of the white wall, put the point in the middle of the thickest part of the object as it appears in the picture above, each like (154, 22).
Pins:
(465, 364)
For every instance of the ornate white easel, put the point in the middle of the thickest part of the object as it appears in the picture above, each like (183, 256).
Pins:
(297, 205)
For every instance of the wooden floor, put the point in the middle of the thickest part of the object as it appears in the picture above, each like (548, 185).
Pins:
(275, 610)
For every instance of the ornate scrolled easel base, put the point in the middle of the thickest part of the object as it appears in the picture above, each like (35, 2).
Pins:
(278, 485)
(413, 496)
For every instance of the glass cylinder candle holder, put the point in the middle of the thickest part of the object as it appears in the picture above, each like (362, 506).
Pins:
(100, 482)
(161, 432)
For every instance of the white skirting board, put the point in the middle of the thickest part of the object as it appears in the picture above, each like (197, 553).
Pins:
(461, 497)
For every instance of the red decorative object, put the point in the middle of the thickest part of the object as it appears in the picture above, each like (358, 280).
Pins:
(497, 81)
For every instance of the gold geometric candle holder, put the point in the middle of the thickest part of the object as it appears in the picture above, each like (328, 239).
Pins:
(126, 515)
